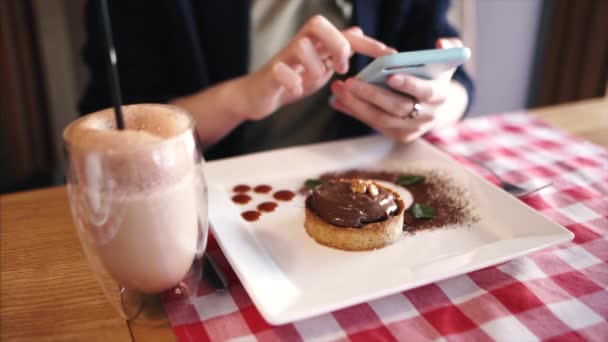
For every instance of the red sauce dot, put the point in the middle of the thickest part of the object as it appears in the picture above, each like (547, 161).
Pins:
(251, 215)
(267, 206)
(262, 189)
(241, 199)
(241, 188)
(284, 195)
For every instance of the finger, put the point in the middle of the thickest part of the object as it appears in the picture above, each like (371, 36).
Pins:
(338, 105)
(389, 101)
(401, 134)
(331, 39)
(287, 77)
(356, 30)
(446, 43)
(307, 55)
(421, 89)
(456, 42)
(360, 43)
(406, 136)
(367, 112)
(400, 106)
(442, 43)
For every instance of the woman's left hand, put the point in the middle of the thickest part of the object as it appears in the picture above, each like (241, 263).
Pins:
(395, 113)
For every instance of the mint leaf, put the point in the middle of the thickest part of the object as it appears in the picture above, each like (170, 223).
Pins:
(422, 211)
(312, 183)
(409, 180)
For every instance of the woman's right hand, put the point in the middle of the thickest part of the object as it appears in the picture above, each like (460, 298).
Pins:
(299, 69)
(305, 65)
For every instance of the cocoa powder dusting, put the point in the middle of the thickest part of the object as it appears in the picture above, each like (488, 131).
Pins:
(451, 203)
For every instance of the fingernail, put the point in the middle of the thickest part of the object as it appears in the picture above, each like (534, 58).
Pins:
(396, 81)
(337, 87)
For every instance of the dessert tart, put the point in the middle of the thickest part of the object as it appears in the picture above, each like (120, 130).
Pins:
(354, 215)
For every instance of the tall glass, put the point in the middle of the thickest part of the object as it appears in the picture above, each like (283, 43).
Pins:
(139, 202)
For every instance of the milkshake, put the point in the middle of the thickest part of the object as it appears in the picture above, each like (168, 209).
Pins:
(138, 196)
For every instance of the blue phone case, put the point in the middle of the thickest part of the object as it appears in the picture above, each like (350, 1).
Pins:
(429, 64)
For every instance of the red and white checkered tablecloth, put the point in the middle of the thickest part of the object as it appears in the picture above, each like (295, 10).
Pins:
(557, 294)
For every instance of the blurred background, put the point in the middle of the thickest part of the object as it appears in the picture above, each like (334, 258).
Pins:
(526, 53)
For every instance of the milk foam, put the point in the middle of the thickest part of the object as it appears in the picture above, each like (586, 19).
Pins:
(145, 126)
(156, 149)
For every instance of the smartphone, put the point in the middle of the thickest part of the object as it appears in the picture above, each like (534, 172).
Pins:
(428, 64)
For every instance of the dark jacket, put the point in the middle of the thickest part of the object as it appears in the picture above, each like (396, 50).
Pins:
(171, 48)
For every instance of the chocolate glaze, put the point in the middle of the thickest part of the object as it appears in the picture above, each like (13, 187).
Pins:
(337, 204)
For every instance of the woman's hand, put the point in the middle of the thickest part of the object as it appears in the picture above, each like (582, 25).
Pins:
(441, 102)
(306, 64)
(299, 69)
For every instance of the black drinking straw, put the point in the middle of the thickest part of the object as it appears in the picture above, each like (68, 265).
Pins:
(111, 64)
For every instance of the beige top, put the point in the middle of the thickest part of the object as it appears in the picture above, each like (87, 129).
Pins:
(273, 24)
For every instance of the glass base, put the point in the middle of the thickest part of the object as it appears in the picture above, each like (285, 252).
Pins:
(136, 306)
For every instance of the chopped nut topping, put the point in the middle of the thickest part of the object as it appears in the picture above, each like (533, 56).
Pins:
(358, 186)
(373, 189)
(361, 187)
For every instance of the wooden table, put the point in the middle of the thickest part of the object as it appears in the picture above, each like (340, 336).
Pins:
(47, 291)
(586, 119)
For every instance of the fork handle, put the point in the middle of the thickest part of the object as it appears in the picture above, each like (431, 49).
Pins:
(487, 168)
(214, 274)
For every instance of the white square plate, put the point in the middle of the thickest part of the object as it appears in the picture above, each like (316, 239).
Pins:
(291, 277)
